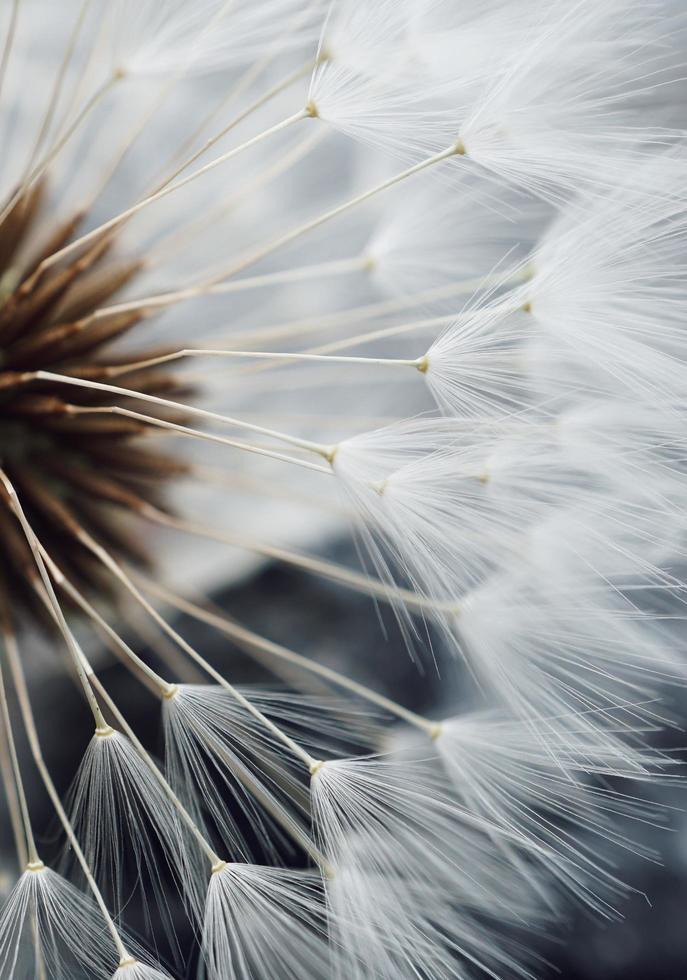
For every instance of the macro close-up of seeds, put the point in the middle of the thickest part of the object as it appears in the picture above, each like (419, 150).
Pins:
(343, 495)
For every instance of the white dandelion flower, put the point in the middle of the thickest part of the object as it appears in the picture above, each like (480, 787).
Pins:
(232, 330)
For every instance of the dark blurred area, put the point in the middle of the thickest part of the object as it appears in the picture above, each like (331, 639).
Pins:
(351, 633)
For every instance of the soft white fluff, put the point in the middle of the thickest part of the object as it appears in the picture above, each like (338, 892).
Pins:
(131, 834)
(265, 922)
(47, 924)
(541, 785)
(412, 874)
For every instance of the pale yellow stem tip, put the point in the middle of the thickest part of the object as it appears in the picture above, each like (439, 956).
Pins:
(435, 732)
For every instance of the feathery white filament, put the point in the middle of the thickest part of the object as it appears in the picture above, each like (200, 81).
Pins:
(265, 922)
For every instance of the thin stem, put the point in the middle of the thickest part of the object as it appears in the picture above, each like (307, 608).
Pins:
(12, 798)
(58, 85)
(41, 168)
(421, 363)
(26, 847)
(71, 643)
(323, 351)
(182, 430)
(169, 189)
(396, 331)
(108, 561)
(354, 202)
(214, 285)
(254, 71)
(165, 90)
(141, 126)
(357, 581)
(332, 321)
(271, 93)
(177, 238)
(327, 452)
(167, 690)
(183, 813)
(249, 639)
(21, 689)
(9, 41)
(178, 665)
(163, 687)
(417, 363)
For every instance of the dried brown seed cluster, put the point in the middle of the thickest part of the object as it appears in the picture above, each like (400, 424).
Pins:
(70, 468)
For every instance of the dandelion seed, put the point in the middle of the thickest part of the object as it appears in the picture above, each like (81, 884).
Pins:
(215, 748)
(265, 922)
(396, 897)
(541, 785)
(125, 822)
(47, 924)
(539, 121)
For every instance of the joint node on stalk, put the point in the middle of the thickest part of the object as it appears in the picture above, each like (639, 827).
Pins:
(436, 731)
(104, 732)
(218, 866)
(170, 692)
(316, 766)
(127, 961)
(380, 487)
(459, 148)
(369, 263)
(119, 74)
(35, 866)
(311, 110)
(527, 307)
(330, 454)
(422, 364)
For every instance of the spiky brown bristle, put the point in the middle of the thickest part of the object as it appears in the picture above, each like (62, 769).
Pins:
(70, 470)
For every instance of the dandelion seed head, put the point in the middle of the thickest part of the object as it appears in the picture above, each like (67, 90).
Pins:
(233, 328)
